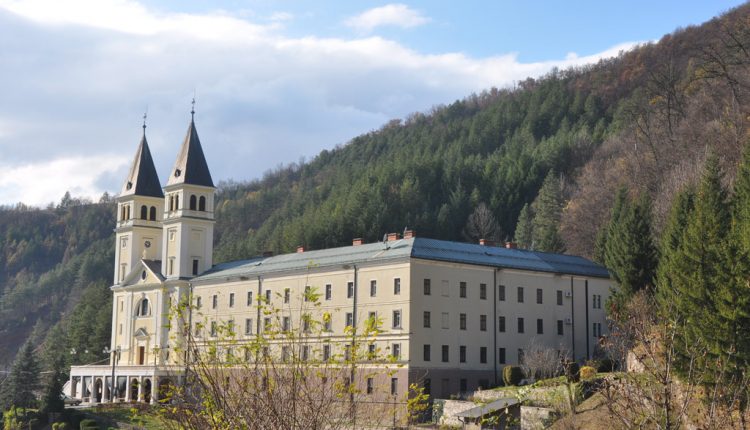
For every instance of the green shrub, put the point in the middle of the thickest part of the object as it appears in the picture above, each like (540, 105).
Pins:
(572, 371)
(512, 375)
(587, 372)
(89, 424)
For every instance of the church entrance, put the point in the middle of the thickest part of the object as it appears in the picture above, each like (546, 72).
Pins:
(98, 390)
(134, 390)
(147, 390)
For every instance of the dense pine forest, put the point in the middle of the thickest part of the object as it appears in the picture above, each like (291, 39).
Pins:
(587, 161)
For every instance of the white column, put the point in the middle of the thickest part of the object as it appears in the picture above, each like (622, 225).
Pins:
(154, 389)
(140, 389)
(105, 390)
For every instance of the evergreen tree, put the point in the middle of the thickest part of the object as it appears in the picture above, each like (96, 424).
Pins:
(55, 357)
(698, 267)
(631, 254)
(525, 229)
(671, 241)
(741, 200)
(547, 208)
(18, 389)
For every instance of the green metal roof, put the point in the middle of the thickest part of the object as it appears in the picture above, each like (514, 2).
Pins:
(423, 248)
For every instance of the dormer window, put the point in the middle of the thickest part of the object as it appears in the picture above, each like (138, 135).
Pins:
(143, 308)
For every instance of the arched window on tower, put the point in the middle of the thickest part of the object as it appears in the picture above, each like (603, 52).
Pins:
(144, 212)
(122, 213)
(152, 214)
(127, 212)
(177, 202)
(192, 202)
(142, 310)
(202, 204)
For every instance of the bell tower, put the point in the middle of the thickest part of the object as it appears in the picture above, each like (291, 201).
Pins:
(187, 244)
(139, 213)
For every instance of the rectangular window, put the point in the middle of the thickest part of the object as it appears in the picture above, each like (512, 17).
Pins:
(444, 288)
(231, 300)
(462, 289)
(397, 319)
(483, 291)
(501, 324)
(426, 319)
(266, 324)
(285, 324)
(396, 351)
(539, 326)
(520, 325)
(287, 295)
(248, 326)
(539, 296)
(285, 353)
(349, 290)
(214, 301)
(198, 302)
(483, 354)
(308, 293)
(445, 353)
(445, 320)
(329, 292)
(394, 386)
(559, 297)
(462, 321)
(426, 352)
(396, 286)
(520, 294)
(462, 354)
(501, 355)
(349, 319)
(369, 386)
(268, 297)
(371, 351)
(195, 267)
(427, 287)
(171, 266)
(326, 352)
(483, 322)
(326, 321)
(120, 328)
(198, 327)
(501, 293)
(463, 386)
(427, 386)
(306, 323)
(560, 327)
(249, 298)
(213, 328)
(373, 288)
(305, 352)
(597, 330)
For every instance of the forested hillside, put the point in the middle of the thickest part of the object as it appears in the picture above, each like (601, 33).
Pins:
(644, 121)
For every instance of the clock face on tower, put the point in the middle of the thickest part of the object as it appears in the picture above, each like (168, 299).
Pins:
(147, 244)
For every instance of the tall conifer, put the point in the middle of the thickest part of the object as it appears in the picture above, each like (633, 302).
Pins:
(671, 241)
(699, 266)
(525, 229)
(548, 207)
(23, 380)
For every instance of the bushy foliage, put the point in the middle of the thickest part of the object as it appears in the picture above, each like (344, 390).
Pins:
(587, 372)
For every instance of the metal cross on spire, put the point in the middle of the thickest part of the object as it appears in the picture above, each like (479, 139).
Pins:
(192, 111)
(145, 114)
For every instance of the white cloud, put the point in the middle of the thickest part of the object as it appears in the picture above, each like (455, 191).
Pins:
(396, 15)
(41, 183)
(78, 83)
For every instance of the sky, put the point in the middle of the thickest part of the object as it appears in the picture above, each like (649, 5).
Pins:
(275, 81)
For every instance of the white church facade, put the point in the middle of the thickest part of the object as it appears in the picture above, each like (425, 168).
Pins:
(452, 314)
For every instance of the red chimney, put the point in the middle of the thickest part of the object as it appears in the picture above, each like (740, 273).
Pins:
(486, 242)
(408, 234)
(511, 245)
(392, 237)
(357, 241)
(301, 248)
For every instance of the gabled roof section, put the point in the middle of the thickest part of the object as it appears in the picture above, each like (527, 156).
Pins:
(191, 167)
(142, 179)
(422, 248)
(145, 272)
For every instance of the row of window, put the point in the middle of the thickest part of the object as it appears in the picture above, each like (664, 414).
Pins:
(327, 295)
(462, 292)
(195, 203)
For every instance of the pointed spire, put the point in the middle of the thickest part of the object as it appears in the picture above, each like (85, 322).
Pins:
(142, 179)
(190, 166)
